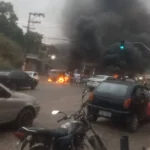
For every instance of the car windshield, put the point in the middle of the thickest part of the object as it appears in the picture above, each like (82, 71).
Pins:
(112, 89)
(99, 76)
(30, 73)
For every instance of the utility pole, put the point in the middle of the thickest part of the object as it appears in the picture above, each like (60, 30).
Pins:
(28, 30)
(33, 22)
(29, 20)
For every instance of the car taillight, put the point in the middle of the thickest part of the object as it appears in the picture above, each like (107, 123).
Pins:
(127, 103)
(19, 135)
(91, 96)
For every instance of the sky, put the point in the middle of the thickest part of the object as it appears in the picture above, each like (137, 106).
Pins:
(51, 25)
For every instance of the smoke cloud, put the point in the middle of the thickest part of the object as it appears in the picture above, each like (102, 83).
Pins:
(96, 24)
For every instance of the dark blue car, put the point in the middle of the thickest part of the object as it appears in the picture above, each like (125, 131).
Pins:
(119, 100)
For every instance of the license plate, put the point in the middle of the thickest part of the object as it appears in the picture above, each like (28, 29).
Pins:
(105, 113)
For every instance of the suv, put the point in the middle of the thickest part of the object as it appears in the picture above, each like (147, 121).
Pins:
(33, 74)
(17, 79)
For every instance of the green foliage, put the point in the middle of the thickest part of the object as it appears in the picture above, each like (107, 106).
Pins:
(33, 42)
(12, 39)
(5, 64)
(10, 52)
(8, 23)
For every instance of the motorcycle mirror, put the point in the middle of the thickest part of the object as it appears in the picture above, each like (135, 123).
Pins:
(54, 112)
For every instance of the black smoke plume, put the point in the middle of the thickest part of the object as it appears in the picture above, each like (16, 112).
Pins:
(94, 25)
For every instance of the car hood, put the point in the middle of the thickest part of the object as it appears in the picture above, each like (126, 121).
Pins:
(96, 79)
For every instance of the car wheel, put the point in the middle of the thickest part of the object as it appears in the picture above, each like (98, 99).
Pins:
(133, 123)
(25, 118)
(33, 86)
(92, 117)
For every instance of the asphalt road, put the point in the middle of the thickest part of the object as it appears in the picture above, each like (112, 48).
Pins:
(68, 99)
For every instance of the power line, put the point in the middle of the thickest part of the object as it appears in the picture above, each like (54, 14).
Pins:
(61, 39)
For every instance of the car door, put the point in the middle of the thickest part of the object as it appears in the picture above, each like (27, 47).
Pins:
(139, 101)
(25, 79)
(7, 108)
(147, 101)
(17, 78)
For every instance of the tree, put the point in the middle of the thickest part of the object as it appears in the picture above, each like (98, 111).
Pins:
(33, 42)
(11, 54)
(8, 23)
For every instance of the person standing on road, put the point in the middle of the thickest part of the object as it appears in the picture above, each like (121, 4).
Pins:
(145, 82)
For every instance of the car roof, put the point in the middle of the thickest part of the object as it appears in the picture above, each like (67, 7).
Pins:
(30, 71)
(102, 75)
(123, 82)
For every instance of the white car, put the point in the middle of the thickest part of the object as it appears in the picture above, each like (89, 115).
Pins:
(33, 74)
(17, 107)
(94, 81)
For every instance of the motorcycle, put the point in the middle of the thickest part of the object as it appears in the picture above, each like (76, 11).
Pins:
(72, 135)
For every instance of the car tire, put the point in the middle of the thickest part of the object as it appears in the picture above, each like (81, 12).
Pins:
(33, 86)
(133, 123)
(25, 118)
(92, 117)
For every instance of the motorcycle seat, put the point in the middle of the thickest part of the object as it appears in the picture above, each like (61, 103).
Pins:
(56, 133)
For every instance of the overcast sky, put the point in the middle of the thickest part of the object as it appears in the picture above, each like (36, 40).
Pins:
(51, 25)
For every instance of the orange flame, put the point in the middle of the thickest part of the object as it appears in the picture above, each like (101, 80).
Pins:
(49, 80)
(116, 76)
(66, 79)
(60, 80)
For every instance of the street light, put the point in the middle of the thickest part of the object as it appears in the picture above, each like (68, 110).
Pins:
(53, 57)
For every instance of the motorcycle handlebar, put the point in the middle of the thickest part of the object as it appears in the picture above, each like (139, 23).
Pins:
(64, 118)
(73, 115)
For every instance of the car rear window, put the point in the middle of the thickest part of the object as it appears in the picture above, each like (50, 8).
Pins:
(29, 73)
(112, 89)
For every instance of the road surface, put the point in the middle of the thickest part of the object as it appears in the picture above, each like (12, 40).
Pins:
(68, 99)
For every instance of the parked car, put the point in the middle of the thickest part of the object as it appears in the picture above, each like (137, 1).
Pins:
(117, 100)
(16, 107)
(94, 81)
(17, 79)
(33, 75)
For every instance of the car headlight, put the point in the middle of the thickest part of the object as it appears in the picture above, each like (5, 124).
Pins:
(140, 78)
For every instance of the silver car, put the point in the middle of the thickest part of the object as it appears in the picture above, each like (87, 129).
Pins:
(17, 107)
(94, 81)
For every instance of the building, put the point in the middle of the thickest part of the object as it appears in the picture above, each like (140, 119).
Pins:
(33, 63)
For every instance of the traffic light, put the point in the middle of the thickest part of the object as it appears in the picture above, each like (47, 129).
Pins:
(122, 47)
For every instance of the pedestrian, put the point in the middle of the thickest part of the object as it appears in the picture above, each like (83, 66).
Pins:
(145, 82)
